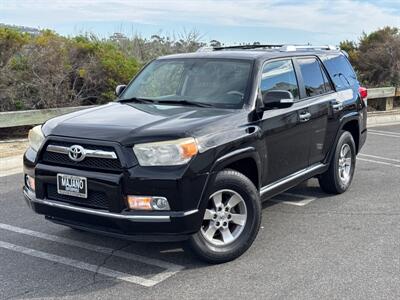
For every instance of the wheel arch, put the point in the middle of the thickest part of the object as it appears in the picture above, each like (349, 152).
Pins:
(244, 160)
(350, 123)
(353, 127)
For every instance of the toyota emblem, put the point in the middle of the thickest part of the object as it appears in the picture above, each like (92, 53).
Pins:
(76, 153)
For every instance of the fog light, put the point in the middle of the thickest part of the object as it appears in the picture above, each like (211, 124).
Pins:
(147, 203)
(30, 182)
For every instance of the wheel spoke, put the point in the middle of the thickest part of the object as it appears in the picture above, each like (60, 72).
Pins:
(345, 150)
(233, 201)
(209, 214)
(347, 161)
(238, 219)
(217, 199)
(227, 235)
(210, 232)
(342, 173)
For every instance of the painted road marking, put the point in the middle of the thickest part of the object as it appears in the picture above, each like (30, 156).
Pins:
(379, 162)
(384, 131)
(79, 264)
(304, 200)
(379, 157)
(384, 134)
(171, 268)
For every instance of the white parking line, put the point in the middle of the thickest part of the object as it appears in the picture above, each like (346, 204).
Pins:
(384, 134)
(379, 157)
(305, 199)
(171, 268)
(384, 131)
(79, 264)
(379, 162)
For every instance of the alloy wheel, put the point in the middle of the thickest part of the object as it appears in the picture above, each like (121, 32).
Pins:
(345, 163)
(224, 218)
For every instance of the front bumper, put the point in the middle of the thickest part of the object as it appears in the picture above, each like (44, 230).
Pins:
(154, 226)
(105, 210)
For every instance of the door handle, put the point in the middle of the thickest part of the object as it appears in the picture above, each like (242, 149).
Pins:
(337, 106)
(305, 116)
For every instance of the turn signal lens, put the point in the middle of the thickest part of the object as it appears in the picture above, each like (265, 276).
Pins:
(147, 203)
(140, 203)
(189, 149)
(30, 182)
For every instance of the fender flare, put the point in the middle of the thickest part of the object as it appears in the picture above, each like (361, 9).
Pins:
(225, 160)
(353, 116)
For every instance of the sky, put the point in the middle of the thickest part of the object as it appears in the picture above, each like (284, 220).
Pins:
(231, 22)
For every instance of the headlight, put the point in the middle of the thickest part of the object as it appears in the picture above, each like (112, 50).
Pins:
(36, 137)
(169, 153)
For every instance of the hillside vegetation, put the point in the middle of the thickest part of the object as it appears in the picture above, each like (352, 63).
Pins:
(46, 70)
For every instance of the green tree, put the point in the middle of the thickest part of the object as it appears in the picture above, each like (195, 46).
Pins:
(378, 57)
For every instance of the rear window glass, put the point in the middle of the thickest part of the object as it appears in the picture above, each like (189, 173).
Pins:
(340, 70)
(313, 79)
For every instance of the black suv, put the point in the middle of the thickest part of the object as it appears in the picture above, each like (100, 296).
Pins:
(196, 141)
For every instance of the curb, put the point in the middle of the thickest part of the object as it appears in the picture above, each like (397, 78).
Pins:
(10, 165)
(383, 118)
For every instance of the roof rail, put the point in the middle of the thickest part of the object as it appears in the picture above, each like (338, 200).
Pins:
(286, 48)
(283, 48)
(239, 47)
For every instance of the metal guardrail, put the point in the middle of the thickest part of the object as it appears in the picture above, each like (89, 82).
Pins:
(33, 117)
(383, 92)
(384, 97)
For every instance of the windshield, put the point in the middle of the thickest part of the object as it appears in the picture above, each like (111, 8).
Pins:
(216, 82)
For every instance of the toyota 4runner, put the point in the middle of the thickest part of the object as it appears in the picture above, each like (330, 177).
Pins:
(195, 142)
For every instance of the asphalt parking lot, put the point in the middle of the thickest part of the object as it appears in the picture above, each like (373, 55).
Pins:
(311, 246)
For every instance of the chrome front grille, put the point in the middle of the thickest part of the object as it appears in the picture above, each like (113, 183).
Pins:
(97, 157)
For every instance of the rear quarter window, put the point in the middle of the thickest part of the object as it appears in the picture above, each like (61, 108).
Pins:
(340, 71)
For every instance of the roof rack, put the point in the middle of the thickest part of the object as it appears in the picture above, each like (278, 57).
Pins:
(282, 48)
(239, 47)
(307, 47)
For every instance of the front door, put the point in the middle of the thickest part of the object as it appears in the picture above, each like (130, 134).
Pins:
(286, 131)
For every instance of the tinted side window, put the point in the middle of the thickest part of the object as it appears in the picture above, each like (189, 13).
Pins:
(279, 75)
(340, 70)
(314, 82)
(328, 86)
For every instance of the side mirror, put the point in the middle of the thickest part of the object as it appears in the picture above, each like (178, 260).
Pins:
(278, 99)
(119, 89)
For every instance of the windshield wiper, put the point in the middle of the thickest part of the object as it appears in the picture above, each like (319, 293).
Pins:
(185, 102)
(136, 99)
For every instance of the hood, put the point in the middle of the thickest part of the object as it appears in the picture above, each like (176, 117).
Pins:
(129, 123)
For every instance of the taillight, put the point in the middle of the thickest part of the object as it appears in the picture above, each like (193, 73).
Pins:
(363, 93)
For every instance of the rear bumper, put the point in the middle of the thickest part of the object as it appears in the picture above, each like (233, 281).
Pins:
(141, 226)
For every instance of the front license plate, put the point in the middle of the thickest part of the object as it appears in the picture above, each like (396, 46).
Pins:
(72, 185)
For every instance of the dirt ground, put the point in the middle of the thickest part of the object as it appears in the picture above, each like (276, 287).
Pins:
(8, 149)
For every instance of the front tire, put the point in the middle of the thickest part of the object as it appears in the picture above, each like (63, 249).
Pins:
(339, 176)
(231, 220)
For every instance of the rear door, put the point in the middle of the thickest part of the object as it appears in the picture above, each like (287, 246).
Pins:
(285, 130)
(318, 95)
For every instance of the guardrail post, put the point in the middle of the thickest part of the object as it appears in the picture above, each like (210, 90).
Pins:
(385, 103)
(383, 98)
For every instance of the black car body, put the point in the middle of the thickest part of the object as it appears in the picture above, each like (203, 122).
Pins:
(275, 144)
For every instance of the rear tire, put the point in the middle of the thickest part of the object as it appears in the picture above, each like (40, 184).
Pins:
(231, 221)
(337, 179)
